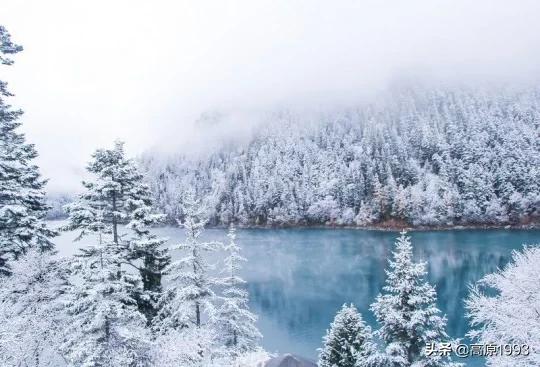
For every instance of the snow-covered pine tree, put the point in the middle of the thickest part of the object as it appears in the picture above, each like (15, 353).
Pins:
(118, 196)
(105, 327)
(348, 343)
(22, 199)
(153, 256)
(235, 321)
(190, 296)
(31, 310)
(110, 194)
(407, 311)
(86, 216)
(504, 309)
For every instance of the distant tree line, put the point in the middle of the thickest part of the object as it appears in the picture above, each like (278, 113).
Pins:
(423, 156)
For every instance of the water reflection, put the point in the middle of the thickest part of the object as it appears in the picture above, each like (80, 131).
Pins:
(298, 278)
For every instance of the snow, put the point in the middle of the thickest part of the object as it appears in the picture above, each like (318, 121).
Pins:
(423, 156)
(504, 308)
(440, 157)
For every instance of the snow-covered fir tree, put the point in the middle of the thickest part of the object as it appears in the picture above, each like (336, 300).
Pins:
(236, 323)
(114, 192)
(31, 310)
(348, 342)
(150, 256)
(105, 327)
(407, 312)
(118, 196)
(504, 308)
(190, 298)
(22, 199)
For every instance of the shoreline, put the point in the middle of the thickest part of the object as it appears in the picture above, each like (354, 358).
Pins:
(387, 227)
(383, 227)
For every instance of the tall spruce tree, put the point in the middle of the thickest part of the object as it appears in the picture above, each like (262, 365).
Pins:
(149, 250)
(348, 343)
(22, 204)
(190, 298)
(118, 196)
(235, 321)
(407, 313)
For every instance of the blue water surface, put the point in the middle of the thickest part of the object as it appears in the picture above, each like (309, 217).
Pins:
(299, 278)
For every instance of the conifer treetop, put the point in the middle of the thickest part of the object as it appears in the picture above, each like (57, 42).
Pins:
(7, 47)
(348, 342)
(407, 310)
(22, 196)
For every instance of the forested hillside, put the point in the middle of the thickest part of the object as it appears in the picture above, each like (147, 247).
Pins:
(420, 156)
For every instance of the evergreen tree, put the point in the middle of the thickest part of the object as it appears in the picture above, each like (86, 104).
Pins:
(119, 196)
(189, 297)
(154, 258)
(407, 311)
(503, 309)
(22, 203)
(31, 309)
(86, 216)
(112, 194)
(235, 321)
(105, 327)
(348, 343)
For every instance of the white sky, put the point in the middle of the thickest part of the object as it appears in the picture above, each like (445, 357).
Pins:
(143, 71)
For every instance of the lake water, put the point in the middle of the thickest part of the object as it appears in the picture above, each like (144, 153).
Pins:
(299, 278)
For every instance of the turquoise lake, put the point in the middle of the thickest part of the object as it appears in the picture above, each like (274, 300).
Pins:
(299, 278)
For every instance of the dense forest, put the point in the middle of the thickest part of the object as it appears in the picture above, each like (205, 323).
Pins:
(417, 156)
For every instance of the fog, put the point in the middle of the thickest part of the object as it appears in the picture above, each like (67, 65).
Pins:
(145, 71)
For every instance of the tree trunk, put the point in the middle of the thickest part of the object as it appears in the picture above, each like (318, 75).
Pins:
(198, 314)
(114, 219)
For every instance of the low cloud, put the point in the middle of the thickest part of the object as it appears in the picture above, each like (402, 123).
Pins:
(146, 71)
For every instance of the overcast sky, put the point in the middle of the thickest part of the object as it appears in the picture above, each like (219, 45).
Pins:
(142, 71)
